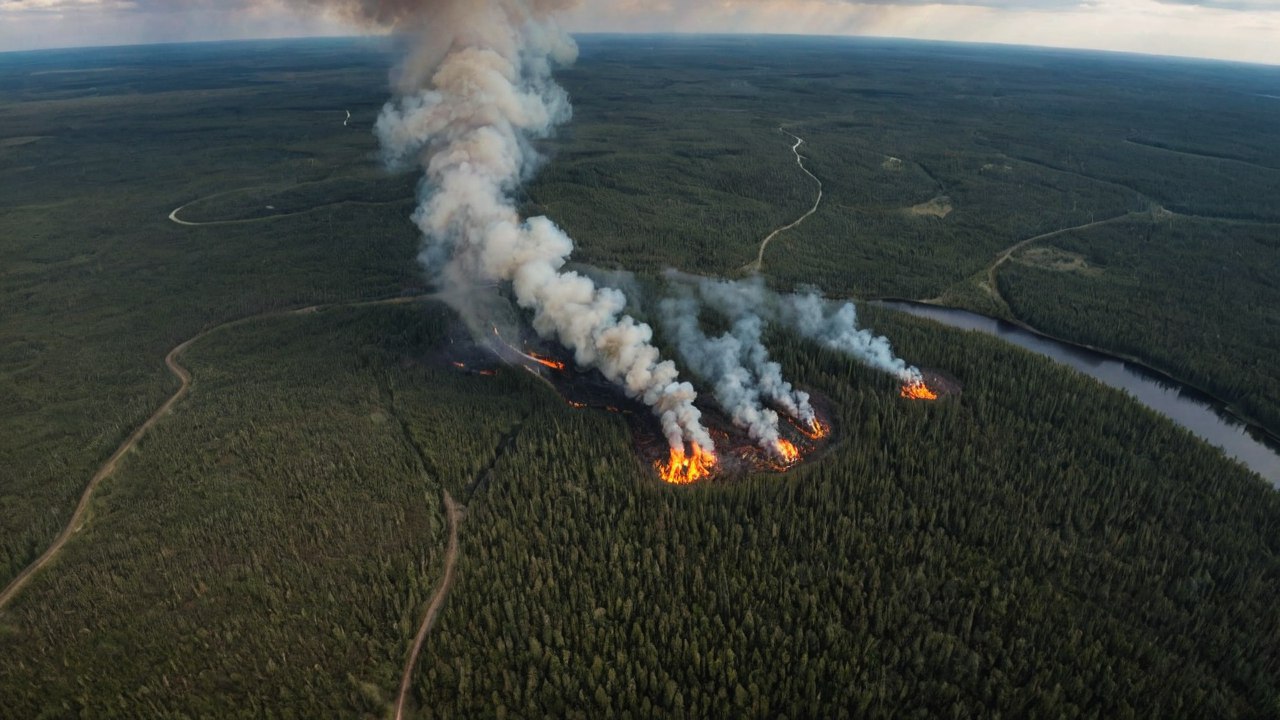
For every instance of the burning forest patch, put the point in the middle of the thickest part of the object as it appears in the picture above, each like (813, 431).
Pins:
(736, 453)
(472, 99)
(931, 385)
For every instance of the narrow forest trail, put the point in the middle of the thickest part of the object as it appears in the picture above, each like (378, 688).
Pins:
(756, 266)
(79, 516)
(1008, 252)
(82, 508)
(455, 513)
(245, 221)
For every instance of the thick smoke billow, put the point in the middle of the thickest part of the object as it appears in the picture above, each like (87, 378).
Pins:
(474, 94)
(719, 361)
(838, 330)
(743, 303)
(811, 316)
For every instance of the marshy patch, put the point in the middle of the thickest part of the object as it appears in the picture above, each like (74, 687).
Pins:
(938, 207)
(1048, 257)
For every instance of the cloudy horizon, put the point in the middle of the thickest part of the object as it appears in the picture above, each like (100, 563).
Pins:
(1239, 30)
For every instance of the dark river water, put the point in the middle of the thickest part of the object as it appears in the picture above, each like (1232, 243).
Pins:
(1186, 406)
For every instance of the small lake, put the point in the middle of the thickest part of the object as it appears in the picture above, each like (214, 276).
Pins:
(1193, 410)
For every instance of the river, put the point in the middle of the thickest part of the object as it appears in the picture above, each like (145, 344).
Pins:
(1186, 406)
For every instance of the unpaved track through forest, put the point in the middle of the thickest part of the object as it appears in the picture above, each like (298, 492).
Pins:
(454, 512)
(245, 221)
(184, 378)
(759, 263)
(1008, 252)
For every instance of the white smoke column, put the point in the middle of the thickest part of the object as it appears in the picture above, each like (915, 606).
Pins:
(839, 330)
(749, 330)
(812, 317)
(718, 361)
(475, 93)
(744, 304)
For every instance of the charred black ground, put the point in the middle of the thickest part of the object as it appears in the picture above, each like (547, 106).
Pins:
(589, 390)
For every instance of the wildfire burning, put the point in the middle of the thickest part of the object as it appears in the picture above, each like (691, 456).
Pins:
(787, 451)
(546, 361)
(685, 469)
(918, 390)
(818, 429)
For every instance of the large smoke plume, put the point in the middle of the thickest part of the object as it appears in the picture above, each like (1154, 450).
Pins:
(473, 95)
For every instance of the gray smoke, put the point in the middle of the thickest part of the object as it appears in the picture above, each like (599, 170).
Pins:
(749, 330)
(813, 318)
(474, 95)
(744, 304)
(831, 325)
(719, 361)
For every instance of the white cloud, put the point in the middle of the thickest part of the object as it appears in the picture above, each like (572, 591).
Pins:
(1147, 26)
(32, 6)
(1247, 30)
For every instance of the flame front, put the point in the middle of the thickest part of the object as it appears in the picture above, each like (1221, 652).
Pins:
(917, 390)
(546, 362)
(818, 429)
(787, 451)
(685, 469)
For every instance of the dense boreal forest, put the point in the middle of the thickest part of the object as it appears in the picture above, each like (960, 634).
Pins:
(1034, 546)
(934, 160)
(1200, 298)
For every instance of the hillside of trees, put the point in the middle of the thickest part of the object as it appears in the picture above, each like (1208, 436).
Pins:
(1036, 545)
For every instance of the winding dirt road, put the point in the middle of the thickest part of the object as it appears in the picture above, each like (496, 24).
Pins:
(455, 513)
(245, 221)
(1008, 252)
(108, 468)
(759, 263)
(173, 216)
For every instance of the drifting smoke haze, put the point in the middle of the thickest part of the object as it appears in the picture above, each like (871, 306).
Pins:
(811, 316)
(831, 325)
(719, 361)
(741, 302)
(474, 93)
(737, 364)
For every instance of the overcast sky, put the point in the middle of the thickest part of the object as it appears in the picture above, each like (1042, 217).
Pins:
(1246, 30)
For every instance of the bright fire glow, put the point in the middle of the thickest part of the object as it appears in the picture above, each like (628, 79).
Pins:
(787, 451)
(917, 390)
(818, 430)
(684, 469)
(546, 362)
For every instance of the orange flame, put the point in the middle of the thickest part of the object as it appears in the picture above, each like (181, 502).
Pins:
(546, 362)
(787, 451)
(685, 469)
(917, 390)
(460, 366)
(818, 429)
